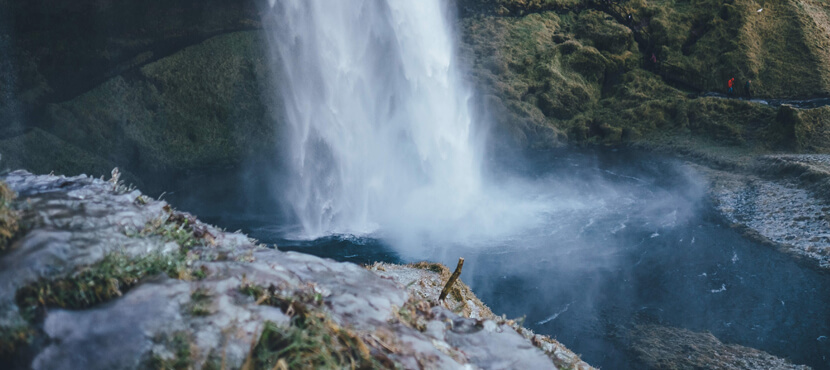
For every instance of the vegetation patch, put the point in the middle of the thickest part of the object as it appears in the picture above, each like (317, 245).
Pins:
(177, 229)
(201, 107)
(312, 340)
(415, 313)
(297, 302)
(14, 338)
(180, 357)
(621, 71)
(8, 217)
(116, 273)
(40, 151)
(99, 283)
(200, 301)
(812, 130)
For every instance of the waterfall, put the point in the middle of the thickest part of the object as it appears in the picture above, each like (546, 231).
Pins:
(381, 139)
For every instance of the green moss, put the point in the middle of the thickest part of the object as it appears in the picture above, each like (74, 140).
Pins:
(703, 43)
(589, 62)
(579, 71)
(523, 7)
(312, 340)
(99, 283)
(300, 302)
(520, 63)
(115, 274)
(179, 233)
(812, 130)
(200, 301)
(602, 32)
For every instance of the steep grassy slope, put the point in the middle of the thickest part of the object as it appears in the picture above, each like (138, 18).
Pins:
(205, 106)
(583, 69)
(42, 152)
(703, 43)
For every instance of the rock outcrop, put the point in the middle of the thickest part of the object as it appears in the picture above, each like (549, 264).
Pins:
(102, 276)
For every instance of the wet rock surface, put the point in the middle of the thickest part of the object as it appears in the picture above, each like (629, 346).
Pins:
(663, 347)
(780, 204)
(477, 324)
(215, 309)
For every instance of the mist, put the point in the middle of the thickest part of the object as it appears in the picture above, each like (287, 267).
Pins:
(388, 155)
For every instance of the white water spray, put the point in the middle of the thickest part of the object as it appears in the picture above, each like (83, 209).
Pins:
(381, 140)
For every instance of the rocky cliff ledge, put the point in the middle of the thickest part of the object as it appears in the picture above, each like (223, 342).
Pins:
(100, 276)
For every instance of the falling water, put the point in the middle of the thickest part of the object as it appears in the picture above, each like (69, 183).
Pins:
(381, 136)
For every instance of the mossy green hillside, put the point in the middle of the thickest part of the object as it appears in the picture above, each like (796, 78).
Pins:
(783, 48)
(809, 129)
(540, 72)
(579, 74)
(201, 107)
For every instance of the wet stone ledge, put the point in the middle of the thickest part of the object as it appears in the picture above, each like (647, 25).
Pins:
(783, 203)
(101, 277)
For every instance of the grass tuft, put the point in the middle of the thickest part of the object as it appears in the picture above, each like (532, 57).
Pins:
(311, 340)
(179, 343)
(98, 283)
(200, 301)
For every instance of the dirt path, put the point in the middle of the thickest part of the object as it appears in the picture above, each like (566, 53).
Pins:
(808, 103)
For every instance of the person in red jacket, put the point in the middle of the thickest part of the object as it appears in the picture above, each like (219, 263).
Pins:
(729, 84)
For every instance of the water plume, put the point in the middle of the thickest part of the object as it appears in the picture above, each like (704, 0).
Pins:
(381, 137)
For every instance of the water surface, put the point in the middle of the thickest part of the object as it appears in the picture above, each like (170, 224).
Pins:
(628, 239)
